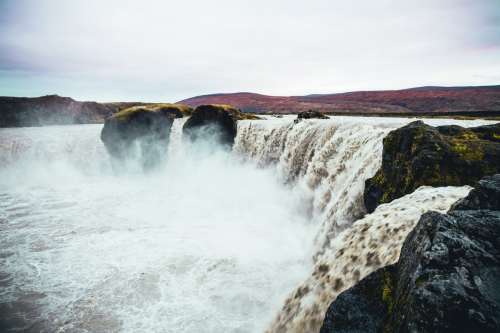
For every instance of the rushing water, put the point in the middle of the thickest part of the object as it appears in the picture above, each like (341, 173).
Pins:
(214, 242)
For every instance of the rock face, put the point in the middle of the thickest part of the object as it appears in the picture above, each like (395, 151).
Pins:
(446, 280)
(214, 121)
(311, 114)
(418, 154)
(138, 133)
(50, 110)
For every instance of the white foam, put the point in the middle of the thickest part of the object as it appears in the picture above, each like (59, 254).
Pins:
(208, 244)
(211, 243)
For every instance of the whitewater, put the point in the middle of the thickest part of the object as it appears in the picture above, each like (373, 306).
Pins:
(259, 238)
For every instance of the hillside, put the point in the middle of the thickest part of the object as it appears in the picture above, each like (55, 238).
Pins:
(428, 101)
(415, 100)
(55, 110)
(50, 110)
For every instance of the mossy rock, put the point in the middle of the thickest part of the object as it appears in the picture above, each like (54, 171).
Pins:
(418, 154)
(177, 110)
(215, 121)
(138, 132)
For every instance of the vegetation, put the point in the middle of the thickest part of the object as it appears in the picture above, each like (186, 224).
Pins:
(419, 154)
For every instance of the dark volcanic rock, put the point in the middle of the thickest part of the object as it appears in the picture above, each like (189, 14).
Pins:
(138, 133)
(360, 309)
(486, 195)
(446, 280)
(214, 121)
(418, 154)
(311, 114)
(50, 110)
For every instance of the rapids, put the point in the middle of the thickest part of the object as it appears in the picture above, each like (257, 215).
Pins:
(213, 242)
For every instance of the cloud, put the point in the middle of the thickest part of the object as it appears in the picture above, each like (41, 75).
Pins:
(168, 50)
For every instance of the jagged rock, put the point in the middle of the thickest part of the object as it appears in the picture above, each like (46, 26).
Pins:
(486, 195)
(418, 154)
(311, 114)
(447, 278)
(138, 133)
(215, 121)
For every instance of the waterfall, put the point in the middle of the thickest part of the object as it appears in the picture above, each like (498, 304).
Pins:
(263, 237)
(329, 161)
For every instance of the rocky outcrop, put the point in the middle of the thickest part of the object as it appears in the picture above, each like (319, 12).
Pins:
(139, 134)
(447, 278)
(418, 154)
(311, 114)
(216, 122)
(50, 110)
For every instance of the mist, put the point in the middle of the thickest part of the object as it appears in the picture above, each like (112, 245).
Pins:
(206, 243)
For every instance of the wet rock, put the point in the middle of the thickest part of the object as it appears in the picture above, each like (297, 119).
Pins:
(447, 278)
(418, 154)
(360, 309)
(214, 122)
(311, 114)
(486, 195)
(138, 133)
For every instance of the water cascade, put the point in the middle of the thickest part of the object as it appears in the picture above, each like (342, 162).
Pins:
(263, 237)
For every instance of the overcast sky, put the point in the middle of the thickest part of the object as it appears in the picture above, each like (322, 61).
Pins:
(169, 50)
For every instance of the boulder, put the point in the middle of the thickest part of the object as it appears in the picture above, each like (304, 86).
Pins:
(418, 154)
(447, 278)
(138, 133)
(311, 114)
(217, 122)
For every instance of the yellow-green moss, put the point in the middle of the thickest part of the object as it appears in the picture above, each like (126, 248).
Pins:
(387, 291)
(125, 114)
(468, 136)
(467, 150)
(183, 108)
(388, 299)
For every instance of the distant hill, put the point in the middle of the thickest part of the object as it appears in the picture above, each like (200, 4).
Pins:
(54, 110)
(415, 100)
(50, 110)
(475, 101)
